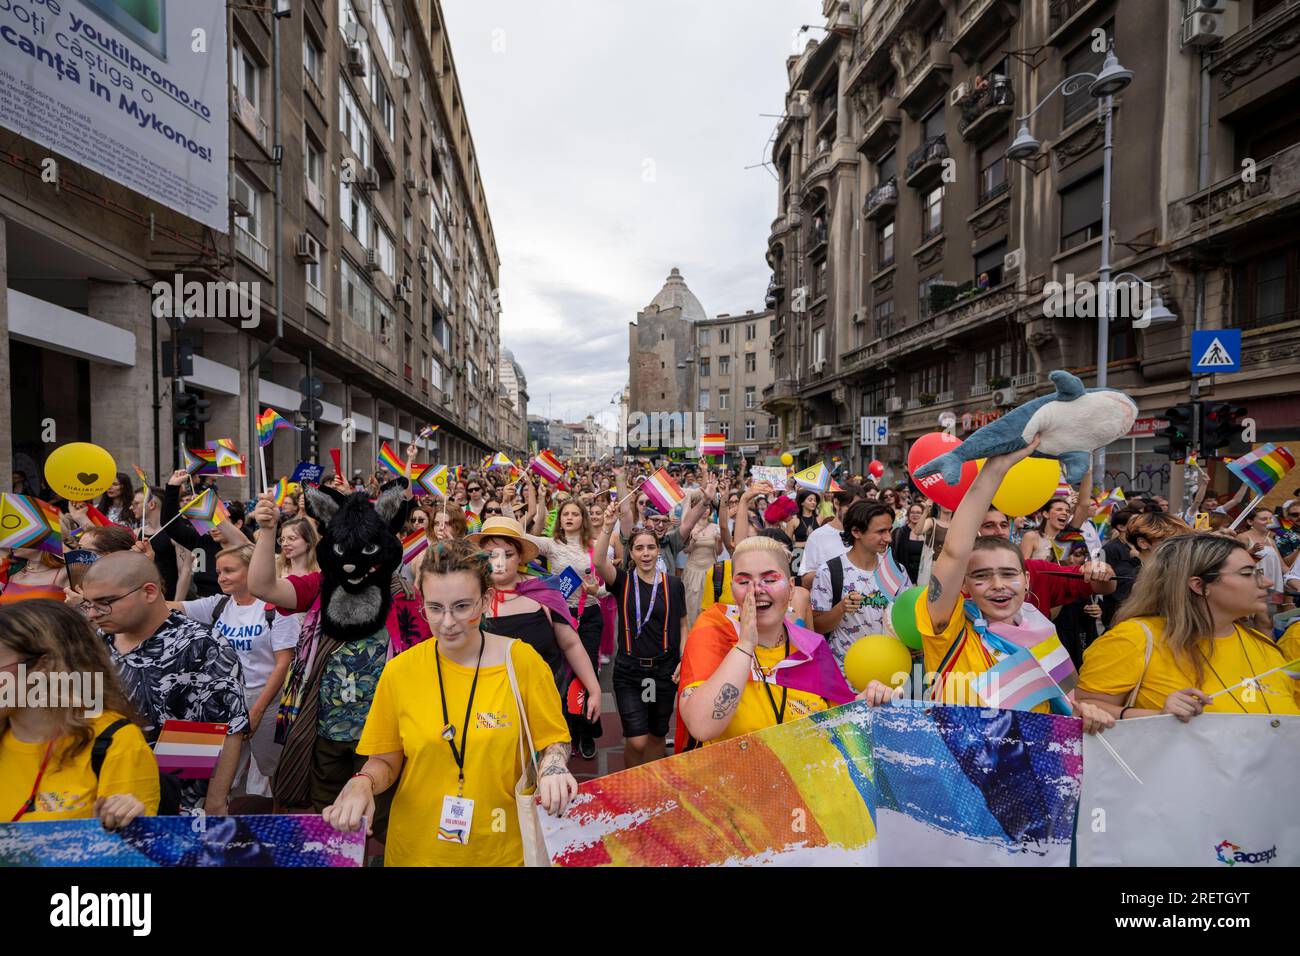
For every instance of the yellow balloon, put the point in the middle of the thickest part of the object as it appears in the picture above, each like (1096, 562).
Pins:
(787, 459)
(80, 471)
(1028, 486)
(877, 657)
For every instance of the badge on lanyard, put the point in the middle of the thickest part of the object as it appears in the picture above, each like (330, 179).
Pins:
(457, 815)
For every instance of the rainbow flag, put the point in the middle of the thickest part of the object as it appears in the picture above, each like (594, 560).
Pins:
(502, 460)
(389, 459)
(268, 423)
(472, 523)
(205, 512)
(199, 461)
(282, 489)
(433, 480)
(549, 467)
(189, 749)
(1264, 467)
(413, 544)
(427, 432)
(27, 522)
(891, 577)
(1106, 507)
(661, 489)
(713, 445)
(817, 478)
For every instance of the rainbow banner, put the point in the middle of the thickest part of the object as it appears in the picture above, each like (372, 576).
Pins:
(272, 840)
(268, 423)
(413, 545)
(28, 522)
(205, 512)
(1264, 467)
(661, 489)
(890, 786)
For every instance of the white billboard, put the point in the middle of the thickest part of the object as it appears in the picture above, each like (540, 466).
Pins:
(134, 89)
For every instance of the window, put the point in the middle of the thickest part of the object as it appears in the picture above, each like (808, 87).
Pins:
(313, 272)
(1081, 212)
(702, 337)
(724, 335)
(932, 213)
(773, 429)
(885, 244)
(313, 162)
(884, 315)
(751, 332)
(353, 126)
(385, 320)
(1265, 6)
(819, 345)
(771, 360)
(1266, 288)
(923, 294)
(704, 400)
(704, 368)
(888, 86)
(932, 380)
(875, 395)
(383, 244)
(887, 167)
(353, 211)
(356, 294)
(435, 374)
(1083, 60)
(751, 429)
(246, 75)
(1004, 360)
(993, 169)
(751, 362)
(408, 225)
(819, 279)
(724, 364)
(726, 430)
(749, 396)
(383, 29)
(771, 327)
(724, 399)
(311, 59)
(933, 126)
(383, 103)
(248, 194)
(988, 266)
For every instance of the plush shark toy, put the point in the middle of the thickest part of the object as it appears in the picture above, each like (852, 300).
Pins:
(1072, 423)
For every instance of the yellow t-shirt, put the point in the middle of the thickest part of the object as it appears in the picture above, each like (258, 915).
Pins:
(406, 716)
(706, 598)
(69, 789)
(1289, 643)
(1113, 665)
(971, 659)
(754, 711)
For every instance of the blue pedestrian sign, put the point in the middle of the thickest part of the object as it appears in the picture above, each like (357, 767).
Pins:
(1216, 350)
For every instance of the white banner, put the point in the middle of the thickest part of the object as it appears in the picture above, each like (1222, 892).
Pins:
(1219, 791)
(135, 90)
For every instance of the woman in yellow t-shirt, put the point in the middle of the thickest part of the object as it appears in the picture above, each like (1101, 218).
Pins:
(445, 728)
(729, 679)
(1191, 597)
(48, 743)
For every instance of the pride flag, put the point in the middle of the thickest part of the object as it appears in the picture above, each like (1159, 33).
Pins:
(890, 575)
(268, 423)
(713, 445)
(433, 480)
(388, 458)
(661, 489)
(205, 512)
(97, 517)
(502, 460)
(817, 478)
(1107, 507)
(189, 749)
(283, 489)
(413, 544)
(427, 432)
(199, 461)
(549, 467)
(1264, 467)
(472, 523)
(27, 522)
(144, 489)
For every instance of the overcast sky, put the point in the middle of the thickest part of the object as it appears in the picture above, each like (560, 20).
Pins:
(612, 137)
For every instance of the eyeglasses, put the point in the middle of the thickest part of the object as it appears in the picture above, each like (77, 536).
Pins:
(461, 611)
(106, 605)
(1261, 578)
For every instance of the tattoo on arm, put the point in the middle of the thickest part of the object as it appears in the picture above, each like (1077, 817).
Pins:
(726, 701)
(935, 591)
(555, 760)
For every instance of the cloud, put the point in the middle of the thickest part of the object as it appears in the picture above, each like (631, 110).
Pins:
(612, 140)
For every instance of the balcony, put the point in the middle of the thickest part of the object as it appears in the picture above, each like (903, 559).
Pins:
(1027, 380)
(818, 167)
(315, 299)
(927, 78)
(979, 23)
(1232, 204)
(783, 393)
(882, 201)
(925, 164)
(986, 109)
(1252, 64)
(1064, 16)
(250, 117)
(880, 129)
(250, 247)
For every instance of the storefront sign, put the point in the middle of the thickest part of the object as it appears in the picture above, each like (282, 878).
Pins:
(1146, 427)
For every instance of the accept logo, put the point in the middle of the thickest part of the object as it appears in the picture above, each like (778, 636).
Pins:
(1232, 854)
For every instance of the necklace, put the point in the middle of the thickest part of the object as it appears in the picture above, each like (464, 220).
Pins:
(1249, 663)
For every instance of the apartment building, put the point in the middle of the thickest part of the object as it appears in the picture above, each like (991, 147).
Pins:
(912, 259)
(734, 363)
(384, 267)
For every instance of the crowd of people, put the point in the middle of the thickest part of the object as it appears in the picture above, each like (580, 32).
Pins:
(421, 710)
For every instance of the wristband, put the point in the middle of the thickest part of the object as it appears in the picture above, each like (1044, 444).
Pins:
(1123, 712)
(737, 647)
(374, 786)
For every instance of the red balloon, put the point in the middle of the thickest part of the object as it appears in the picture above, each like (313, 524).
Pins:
(876, 469)
(926, 449)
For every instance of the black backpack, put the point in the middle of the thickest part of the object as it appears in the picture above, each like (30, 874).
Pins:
(220, 608)
(169, 785)
(836, 566)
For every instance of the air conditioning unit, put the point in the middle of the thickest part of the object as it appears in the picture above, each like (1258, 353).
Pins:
(1203, 29)
(423, 186)
(818, 366)
(401, 293)
(423, 256)
(411, 179)
(1205, 6)
(821, 431)
(242, 199)
(799, 106)
(308, 248)
(1004, 397)
(893, 405)
(369, 179)
(858, 318)
(356, 60)
(1012, 261)
(373, 262)
(957, 95)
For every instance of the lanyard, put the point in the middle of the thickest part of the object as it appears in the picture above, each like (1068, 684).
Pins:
(1250, 665)
(449, 729)
(634, 584)
(785, 691)
(643, 619)
(29, 804)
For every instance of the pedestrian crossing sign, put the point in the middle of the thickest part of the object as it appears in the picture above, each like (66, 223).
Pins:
(1216, 350)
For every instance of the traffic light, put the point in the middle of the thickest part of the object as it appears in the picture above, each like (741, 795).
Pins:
(189, 411)
(1177, 435)
(1220, 426)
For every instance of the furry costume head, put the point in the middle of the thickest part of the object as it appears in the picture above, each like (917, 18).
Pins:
(358, 554)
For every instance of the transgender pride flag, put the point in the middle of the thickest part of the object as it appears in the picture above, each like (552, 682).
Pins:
(890, 576)
(1034, 666)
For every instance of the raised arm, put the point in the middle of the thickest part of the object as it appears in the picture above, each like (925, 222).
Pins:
(600, 552)
(1081, 505)
(263, 582)
(698, 509)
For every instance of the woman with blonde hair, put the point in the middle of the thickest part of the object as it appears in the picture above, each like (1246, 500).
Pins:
(298, 540)
(1179, 645)
(57, 762)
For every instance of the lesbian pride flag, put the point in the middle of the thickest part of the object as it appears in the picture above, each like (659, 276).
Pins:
(189, 749)
(413, 545)
(549, 467)
(1264, 467)
(663, 491)
(713, 445)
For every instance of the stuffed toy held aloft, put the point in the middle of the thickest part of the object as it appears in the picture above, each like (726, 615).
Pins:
(1073, 422)
(358, 553)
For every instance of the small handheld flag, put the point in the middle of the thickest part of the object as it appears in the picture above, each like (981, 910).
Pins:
(389, 459)
(427, 432)
(890, 576)
(27, 522)
(413, 544)
(268, 423)
(282, 489)
(189, 749)
(661, 489)
(817, 478)
(549, 467)
(1264, 467)
(433, 480)
(713, 445)
(205, 512)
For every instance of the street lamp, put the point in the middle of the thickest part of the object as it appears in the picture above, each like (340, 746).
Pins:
(1156, 313)
(1102, 86)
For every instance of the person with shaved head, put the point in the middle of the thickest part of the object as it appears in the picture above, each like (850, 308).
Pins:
(173, 668)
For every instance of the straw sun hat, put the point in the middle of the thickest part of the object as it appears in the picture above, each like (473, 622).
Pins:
(502, 526)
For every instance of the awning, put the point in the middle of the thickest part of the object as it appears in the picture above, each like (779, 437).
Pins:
(797, 451)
